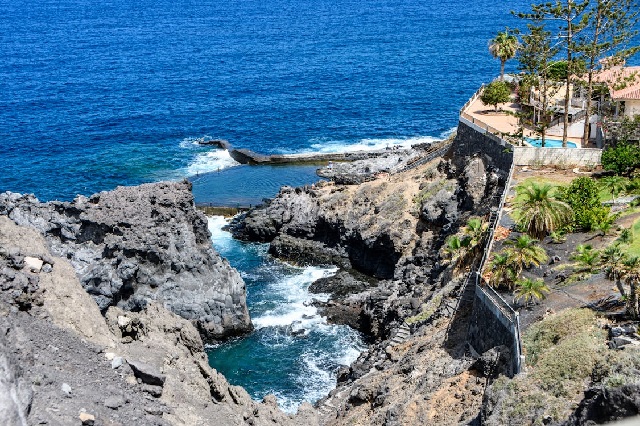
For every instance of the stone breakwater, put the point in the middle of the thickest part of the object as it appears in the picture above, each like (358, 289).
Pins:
(135, 245)
(246, 156)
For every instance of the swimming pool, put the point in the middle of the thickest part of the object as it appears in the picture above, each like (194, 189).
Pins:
(549, 143)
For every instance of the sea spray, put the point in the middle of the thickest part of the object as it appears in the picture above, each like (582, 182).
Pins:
(293, 353)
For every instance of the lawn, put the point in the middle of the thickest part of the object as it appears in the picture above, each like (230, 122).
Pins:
(633, 249)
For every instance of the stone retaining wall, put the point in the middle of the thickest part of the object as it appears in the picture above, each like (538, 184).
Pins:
(494, 323)
(470, 141)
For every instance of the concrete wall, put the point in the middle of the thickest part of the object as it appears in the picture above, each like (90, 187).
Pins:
(472, 139)
(494, 324)
(531, 156)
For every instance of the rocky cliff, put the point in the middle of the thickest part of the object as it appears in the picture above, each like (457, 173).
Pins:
(136, 245)
(389, 231)
(63, 363)
(395, 284)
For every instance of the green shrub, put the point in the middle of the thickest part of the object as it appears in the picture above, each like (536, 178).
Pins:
(561, 352)
(621, 159)
(583, 196)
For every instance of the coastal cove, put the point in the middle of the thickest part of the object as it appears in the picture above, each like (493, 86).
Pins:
(309, 213)
(293, 353)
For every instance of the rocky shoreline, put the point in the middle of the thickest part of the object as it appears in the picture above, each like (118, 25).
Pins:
(143, 255)
(64, 363)
(106, 302)
(132, 246)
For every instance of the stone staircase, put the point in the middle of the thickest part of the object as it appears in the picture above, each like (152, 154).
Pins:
(401, 336)
(425, 158)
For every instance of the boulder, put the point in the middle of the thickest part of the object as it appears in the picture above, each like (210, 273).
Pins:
(139, 244)
(147, 373)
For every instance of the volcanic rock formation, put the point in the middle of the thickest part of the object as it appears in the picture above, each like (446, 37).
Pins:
(134, 245)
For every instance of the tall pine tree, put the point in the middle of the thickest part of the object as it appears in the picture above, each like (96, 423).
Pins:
(611, 27)
(572, 19)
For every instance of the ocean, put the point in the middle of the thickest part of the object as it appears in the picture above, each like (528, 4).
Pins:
(99, 94)
(96, 94)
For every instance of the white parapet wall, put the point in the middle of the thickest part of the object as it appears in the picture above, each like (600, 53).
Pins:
(532, 156)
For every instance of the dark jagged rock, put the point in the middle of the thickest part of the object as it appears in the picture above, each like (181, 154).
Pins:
(57, 356)
(133, 245)
(147, 373)
(374, 230)
(342, 284)
(603, 405)
(347, 304)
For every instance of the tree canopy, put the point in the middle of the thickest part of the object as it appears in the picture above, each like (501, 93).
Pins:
(504, 47)
(497, 92)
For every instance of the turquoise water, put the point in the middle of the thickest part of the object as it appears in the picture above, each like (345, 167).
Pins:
(550, 143)
(245, 185)
(293, 353)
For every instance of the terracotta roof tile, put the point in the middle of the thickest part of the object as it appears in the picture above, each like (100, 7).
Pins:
(614, 76)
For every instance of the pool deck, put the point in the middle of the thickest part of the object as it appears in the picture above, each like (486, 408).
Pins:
(505, 122)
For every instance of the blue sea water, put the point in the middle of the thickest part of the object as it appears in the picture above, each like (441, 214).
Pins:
(95, 94)
(99, 94)
(293, 353)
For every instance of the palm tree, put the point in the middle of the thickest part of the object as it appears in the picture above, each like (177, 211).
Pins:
(613, 184)
(626, 236)
(632, 278)
(529, 289)
(475, 231)
(456, 249)
(604, 224)
(502, 271)
(586, 256)
(504, 47)
(539, 212)
(526, 253)
(613, 259)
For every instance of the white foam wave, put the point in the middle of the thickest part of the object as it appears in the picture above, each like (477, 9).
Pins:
(371, 144)
(222, 240)
(296, 310)
(211, 161)
(193, 142)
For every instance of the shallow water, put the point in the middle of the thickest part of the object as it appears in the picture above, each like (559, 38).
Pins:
(293, 353)
(245, 185)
